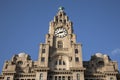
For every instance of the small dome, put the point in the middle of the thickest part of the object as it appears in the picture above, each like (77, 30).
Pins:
(99, 55)
(21, 54)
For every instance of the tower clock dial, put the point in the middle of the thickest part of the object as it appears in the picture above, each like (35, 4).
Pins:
(60, 32)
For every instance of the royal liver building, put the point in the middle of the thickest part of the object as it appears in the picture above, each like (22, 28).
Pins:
(60, 58)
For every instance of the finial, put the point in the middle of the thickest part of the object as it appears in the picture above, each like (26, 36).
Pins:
(61, 8)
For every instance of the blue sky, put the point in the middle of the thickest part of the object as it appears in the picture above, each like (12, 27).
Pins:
(24, 24)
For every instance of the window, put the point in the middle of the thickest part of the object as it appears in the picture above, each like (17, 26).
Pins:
(60, 69)
(41, 76)
(64, 21)
(76, 51)
(56, 62)
(63, 63)
(60, 44)
(64, 69)
(43, 50)
(55, 77)
(77, 59)
(60, 20)
(60, 62)
(78, 76)
(59, 77)
(101, 63)
(63, 78)
(6, 66)
(68, 77)
(42, 59)
(60, 15)
(111, 78)
(8, 78)
(50, 77)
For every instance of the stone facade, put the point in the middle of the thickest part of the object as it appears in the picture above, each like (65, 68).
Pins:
(101, 67)
(60, 58)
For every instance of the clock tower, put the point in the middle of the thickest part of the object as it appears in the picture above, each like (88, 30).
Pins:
(60, 56)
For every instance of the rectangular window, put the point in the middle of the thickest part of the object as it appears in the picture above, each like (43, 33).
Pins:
(43, 50)
(42, 59)
(59, 77)
(76, 51)
(60, 44)
(68, 77)
(50, 77)
(55, 77)
(6, 66)
(77, 59)
(63, 78)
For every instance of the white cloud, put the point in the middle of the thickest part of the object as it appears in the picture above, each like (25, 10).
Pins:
(116, 51)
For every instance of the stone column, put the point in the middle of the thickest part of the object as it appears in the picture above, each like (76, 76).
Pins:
(66, 77)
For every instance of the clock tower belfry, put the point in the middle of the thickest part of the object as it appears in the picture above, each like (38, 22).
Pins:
(60, 56)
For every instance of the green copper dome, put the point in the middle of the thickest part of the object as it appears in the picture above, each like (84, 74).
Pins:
(61, 8)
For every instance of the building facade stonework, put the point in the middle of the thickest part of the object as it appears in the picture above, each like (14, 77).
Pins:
(60, 58)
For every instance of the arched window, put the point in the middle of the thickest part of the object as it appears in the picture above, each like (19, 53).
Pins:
(60, 62)
(101, 63)
(78, 76)
(41, 76)
(60, 44)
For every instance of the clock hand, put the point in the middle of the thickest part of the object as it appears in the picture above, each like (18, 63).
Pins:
(61, 32)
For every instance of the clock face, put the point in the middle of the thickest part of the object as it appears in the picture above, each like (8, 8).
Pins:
(60, 32)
